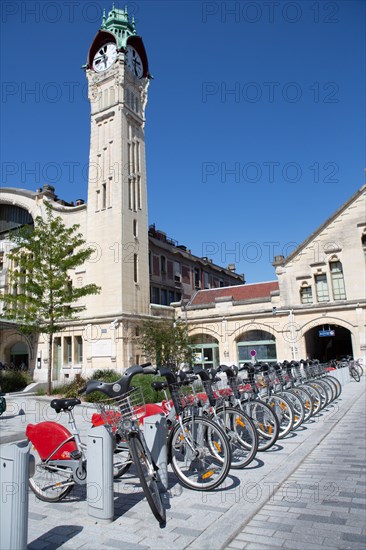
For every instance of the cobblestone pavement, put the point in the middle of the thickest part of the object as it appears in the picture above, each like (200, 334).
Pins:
(322, 504)
(307, 492)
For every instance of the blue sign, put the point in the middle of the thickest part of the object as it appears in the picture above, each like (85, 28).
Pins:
(327, 332)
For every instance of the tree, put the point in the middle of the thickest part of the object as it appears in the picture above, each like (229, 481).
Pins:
(41, 297)
(165, 343)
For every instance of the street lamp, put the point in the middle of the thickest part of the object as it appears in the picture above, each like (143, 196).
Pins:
(292, 328)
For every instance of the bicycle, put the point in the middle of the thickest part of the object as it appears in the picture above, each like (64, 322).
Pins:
(354, 373)
(243, 394)
(238, 426)
(198, 448)
(60, 455)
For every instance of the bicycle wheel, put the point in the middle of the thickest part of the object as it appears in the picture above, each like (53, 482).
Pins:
(355, 374)
(359, 368)
(265, 421)
(284, 412)
(336, 383)
(199, 452)
(50, 483)
(147, 475)
(323, 390)
(298, 407)
(241, 433)
(330, 389)
(307, 401)
(121, 460)
(315, 394)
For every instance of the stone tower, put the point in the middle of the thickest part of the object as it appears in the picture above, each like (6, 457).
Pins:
(117, 220)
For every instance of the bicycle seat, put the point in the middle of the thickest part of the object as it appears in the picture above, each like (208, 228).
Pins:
(66, 404)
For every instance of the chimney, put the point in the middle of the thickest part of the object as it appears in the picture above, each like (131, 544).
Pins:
(278, 260)
(231, 267)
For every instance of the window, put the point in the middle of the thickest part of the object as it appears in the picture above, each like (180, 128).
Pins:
(155, 295)
(1, 261)
(68, 350)
(177, 272)
(197, 277)
(206, 281)
(321, 285)
(163, 264)
(336, 274)
(79, 349)
(171, 296)
(259, 340)
(306, 294)
(135, 268)
(104, 196)
(164, 297)
(363, 241)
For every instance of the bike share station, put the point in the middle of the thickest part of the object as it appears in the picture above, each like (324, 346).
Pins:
(17, 465)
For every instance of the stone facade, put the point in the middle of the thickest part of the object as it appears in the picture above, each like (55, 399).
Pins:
(316, 309)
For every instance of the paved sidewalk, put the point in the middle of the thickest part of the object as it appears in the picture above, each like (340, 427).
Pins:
(304, 493)
(323, 503)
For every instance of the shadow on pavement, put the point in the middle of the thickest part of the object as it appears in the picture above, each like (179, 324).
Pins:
(56, 537)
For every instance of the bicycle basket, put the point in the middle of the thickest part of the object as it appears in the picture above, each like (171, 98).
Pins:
(213, 392)
(239, 386)
(112, 412)
(183, 395)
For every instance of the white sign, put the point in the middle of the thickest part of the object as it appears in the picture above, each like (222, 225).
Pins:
(101, 348)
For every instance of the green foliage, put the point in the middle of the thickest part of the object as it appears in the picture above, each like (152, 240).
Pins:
(42, 298)
(107, 375)
(144, 381)
(11, 381)
(165, 343)
(71, 389)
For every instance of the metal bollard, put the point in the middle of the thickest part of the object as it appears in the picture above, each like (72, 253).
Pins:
(155, 432)
(100, 495)
(14, 473)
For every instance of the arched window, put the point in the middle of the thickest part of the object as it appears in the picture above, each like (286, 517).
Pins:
(306, 293)
(260, 341)
(336, 274)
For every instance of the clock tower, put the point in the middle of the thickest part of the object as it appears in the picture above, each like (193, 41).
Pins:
(117, 222)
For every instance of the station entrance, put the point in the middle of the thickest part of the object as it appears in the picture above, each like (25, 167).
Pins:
(327, 342)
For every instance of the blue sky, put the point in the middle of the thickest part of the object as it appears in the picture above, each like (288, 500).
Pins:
(255, 128)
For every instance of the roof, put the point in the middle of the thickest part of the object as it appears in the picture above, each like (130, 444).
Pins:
(236, 293)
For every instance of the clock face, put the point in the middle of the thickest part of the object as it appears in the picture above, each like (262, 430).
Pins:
(105, 57)
(134, 62)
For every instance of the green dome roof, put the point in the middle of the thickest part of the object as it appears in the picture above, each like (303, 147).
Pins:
(119, 24)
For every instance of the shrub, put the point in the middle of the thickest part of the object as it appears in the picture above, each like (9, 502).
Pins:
(72, 388)
(144, 381)
(107, 375)
(11, 381)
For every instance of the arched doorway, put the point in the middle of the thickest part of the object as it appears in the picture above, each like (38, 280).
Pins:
(326, 342)
(260, 341)
(19, 356)
(206, 350)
